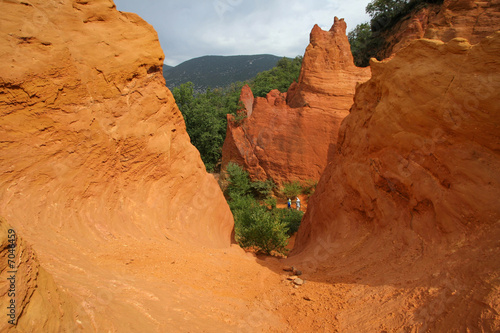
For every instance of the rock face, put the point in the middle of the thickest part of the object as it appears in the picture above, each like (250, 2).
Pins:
(410, 200)
(289, 136)
(473, 20)
(94, 150)
(30, 287)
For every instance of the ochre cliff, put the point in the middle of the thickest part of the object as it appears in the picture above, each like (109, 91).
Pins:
(469, 19)
(288, 136)
(408, 210)
(94, 154)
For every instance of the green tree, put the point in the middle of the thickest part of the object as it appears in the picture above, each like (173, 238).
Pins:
(291, 190)
(257, 221)
(387, 8)
(367, 39)
(184, 95)
(239, 181)
(261, 229)
(280, 77)
(360, 39)
(205, 118)
(291, 218)
(262, 189)
(205, 113)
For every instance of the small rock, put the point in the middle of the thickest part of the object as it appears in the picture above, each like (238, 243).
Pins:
(296, 286)
(289, 269)
(307, 298)
(298, 281)
(297, 272)
(293, 277)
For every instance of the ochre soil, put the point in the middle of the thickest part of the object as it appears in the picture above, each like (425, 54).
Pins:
(228, 290)
(191, 289)
(181, 288)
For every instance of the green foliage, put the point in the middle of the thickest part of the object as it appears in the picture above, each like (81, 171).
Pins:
(218, 71)
(239, 182)
(240, 205)
(291, 218)
(205, 118)
(205, 113)
(280, 77)
(386, 8)
(258, 223)
(291, 190)
(366, 39)
(386, 13)
(262, 189)
(361, 42)
(270, 202)
(262, 229)
(240, 114)
(309, 187)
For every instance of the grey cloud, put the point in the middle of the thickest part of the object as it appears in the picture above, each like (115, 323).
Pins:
(193, 28)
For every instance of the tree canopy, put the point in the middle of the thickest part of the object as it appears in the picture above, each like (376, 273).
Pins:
(205, 113)
(205, 118)
(280, 77)
(366, 39)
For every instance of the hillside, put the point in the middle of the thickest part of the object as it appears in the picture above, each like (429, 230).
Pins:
(218, 71)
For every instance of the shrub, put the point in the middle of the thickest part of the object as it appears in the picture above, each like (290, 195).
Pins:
(260, 228)
(291, 218)
(257, 225)
(238, 182)
(291, 190)
(262, 189)
(271, 202)
(309, 187)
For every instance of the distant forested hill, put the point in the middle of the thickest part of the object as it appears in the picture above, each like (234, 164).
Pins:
(218, 71)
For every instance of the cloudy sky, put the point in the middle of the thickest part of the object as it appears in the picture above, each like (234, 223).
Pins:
(193, 28)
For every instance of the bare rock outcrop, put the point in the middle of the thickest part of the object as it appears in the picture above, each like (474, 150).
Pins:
(408, 208)
(94, 152)
(288, 136)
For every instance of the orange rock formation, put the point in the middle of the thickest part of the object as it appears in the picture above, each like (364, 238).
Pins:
(473, 20)
(408, 208)
(110, 203)
(288, 136)
(94, 157)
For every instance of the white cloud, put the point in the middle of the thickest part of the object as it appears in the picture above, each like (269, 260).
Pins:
(194, 28)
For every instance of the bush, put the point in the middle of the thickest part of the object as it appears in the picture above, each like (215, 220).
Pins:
(270, 202)
(262, 189)
(309, 187)
(239, 182)
(241, 204)
(257, 222)
(291, 218)
(291, 190)
(260, 228)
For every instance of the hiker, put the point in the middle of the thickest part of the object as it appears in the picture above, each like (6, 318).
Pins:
(297, 203)
(289, 203)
